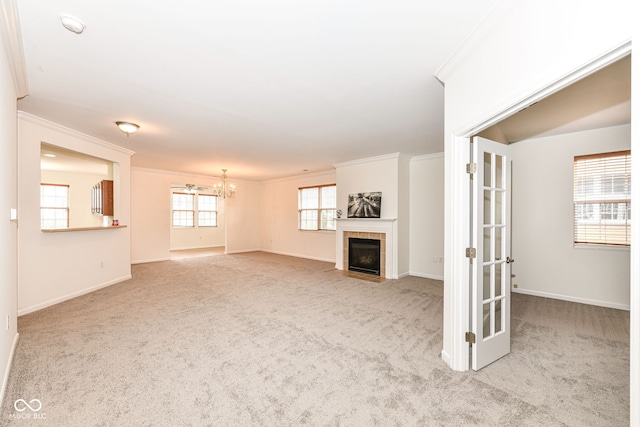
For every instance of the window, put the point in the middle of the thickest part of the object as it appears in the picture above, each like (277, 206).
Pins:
(183, 209)
(187, 207)
(317, 208)
(54, 206)
(602, 199)
(207, 210)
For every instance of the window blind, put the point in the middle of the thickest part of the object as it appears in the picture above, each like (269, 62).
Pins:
(602, 199)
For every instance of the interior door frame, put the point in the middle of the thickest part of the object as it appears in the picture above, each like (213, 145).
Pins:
(457, 320)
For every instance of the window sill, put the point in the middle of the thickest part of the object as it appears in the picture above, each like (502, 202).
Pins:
(588, 246)
(66, 230)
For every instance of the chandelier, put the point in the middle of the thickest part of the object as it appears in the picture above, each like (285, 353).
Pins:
(222, 189)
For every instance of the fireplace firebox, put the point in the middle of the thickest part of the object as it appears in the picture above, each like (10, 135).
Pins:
(364, 255)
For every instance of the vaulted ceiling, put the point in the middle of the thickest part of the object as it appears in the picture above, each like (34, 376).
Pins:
(263, 88)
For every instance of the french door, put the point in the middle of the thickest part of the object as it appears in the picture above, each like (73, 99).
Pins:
(491, 272)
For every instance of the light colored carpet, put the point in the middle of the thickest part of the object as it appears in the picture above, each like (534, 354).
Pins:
(261, 339)
(192, 253)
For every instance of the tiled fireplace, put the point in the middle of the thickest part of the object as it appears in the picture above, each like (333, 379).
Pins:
(384, 230)
(364, 235)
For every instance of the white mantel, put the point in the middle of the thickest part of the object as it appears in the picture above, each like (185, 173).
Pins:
(389, 226)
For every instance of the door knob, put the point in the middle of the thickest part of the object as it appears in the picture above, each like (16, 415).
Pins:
(510, 260)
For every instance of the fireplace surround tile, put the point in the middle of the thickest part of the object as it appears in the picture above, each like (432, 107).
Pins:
(384, 229)
(364, 235)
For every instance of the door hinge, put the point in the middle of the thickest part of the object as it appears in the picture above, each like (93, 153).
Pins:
(470, 252)
(470, 337)
(472, 168)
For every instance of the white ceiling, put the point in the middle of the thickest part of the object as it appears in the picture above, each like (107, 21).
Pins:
(272, 88)
(599, 100)
(54, 158)
(264, 88)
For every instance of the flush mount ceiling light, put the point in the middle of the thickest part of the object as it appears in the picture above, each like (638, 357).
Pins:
(127, 127)
(72, 23)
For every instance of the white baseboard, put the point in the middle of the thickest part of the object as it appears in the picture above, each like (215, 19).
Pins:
(445, 357)
(144, 261)
(40, 306)
(569, 298)
(427, 276)
(333, 261)
(243, 251)
(7, 370)
(186, 248)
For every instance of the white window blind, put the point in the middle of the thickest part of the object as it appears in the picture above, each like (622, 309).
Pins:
(602, 199)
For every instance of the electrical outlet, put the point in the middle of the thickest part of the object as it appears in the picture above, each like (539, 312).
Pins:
(101, 264)
(441, 260)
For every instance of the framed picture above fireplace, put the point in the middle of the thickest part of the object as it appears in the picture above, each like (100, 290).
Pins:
(364, 205)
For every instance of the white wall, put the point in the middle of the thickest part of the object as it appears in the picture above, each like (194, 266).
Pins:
(150, 216)
(244, 217)
(279, 231)
(152, 236)
(200, 237)
(427, 216)
(369, 175)
(514, 57)
(53, 267)
(547, 263)
(404, 215)
(80, 185)
(8, 201)
(390, 175)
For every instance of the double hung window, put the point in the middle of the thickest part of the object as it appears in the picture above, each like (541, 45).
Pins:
(191, 210)
(602, 199)
(317, 207)
(54, 206)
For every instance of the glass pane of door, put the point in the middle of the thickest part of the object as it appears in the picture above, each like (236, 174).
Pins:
(491, 294)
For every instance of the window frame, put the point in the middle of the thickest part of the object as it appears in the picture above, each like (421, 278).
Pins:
(65, 209)
(214, 211)
(602, 200)
(319, 209)
(174, 211)
(195, 211)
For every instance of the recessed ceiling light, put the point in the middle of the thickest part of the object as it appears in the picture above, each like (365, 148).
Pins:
(72, 23)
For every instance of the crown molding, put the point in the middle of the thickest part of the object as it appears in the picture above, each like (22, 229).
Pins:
(12, 38)
(480, 32)
(427, 157)
(323, 173)
(392, 156)
(194, 176)
(173, 173)
(71, 132)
